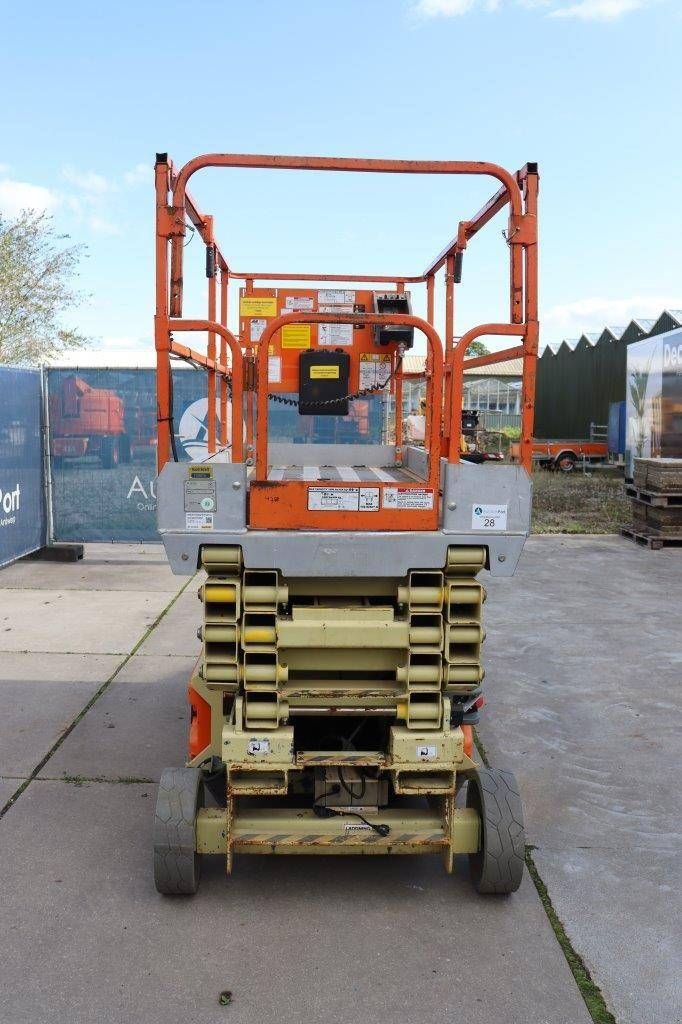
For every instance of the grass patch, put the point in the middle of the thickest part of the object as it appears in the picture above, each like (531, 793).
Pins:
(118, 780)
(591, 993)
(578, 502)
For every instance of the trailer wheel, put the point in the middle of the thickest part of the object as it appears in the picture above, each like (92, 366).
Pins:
(177, 866)
(109, 452)
(498, 865)
(124, 449)
(565, 461)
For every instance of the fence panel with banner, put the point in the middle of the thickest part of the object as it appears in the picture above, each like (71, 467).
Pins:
(22, 505)
(102, 426)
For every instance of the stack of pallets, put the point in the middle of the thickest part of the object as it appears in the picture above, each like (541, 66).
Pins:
(656, 493)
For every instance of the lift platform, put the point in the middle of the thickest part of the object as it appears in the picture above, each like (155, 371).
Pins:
(333, 705)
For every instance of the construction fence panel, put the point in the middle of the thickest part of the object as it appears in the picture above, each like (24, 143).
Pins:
(22, 504)
(102, 430)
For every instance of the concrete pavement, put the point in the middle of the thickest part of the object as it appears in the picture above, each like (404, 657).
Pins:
(315, 938)
(584, 666)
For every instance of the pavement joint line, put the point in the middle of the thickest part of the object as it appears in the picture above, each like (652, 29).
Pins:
(589, 990)
(93, 700)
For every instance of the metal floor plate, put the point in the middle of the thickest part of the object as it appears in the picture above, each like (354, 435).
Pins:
(344, 474)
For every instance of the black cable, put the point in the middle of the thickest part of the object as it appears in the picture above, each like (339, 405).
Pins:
(322, 811)
(351, 794)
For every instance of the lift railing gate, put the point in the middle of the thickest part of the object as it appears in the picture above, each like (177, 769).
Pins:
(247, 376)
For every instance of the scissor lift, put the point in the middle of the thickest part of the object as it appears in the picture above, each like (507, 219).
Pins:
(332, 707)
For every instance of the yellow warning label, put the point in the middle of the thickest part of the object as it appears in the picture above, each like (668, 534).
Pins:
(324, 373)
(200, 472)
(249, 305)
(296, 336)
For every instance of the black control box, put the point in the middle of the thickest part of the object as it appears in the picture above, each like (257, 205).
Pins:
(323, 383)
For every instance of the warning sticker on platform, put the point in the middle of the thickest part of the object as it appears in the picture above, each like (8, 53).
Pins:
(296, 336)
(324, 372)
(199, 521)
(257, 328)
(335, 296)
(489, 517)
(341, 308)
(298, 302)
(249, 305)
(335, 334)
(275, 369)
(375, 369)
(408, 497)
(343, 499)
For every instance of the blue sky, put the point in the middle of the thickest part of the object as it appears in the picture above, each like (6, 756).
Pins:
(588, 88)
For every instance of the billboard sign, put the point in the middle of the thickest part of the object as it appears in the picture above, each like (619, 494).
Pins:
(22, 505)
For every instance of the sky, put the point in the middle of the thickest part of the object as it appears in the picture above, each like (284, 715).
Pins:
(590, 89)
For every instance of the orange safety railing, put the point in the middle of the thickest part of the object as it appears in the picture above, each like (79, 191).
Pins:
(445, 365)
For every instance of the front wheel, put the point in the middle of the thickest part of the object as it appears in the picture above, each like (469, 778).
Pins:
(177, 866)
(497, 867)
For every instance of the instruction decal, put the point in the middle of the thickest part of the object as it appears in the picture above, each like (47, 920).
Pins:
(275, 369)
(426, 752)
(343, 499)
(335, 297)
(298, 302)
(257, 328)
(489, 517)
(250, 305)
(200, 472)
(198, 521)
(408, 497)
(258, 747)
(296, 336)
(375, 369)
(344, 308)
(335, 334)
(324, 372)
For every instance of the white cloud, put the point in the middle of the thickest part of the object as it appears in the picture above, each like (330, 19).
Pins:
(600, 10)
(87, 181)
(571, 319)
(140, 174)
(585, 10)
(112, 351)
(16, 196)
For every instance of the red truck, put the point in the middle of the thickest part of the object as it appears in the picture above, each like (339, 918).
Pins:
(562, 455)
(87, 421)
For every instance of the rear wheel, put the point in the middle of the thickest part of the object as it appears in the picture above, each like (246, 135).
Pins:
(177, 866)
(498, 865)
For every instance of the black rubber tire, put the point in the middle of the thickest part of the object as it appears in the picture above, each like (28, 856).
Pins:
(565, 462)
(177, 867)
(124, 450)
(109, 453)
(497, 868)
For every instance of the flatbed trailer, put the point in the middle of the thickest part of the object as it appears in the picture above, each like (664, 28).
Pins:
(333, 704)
(562, 454)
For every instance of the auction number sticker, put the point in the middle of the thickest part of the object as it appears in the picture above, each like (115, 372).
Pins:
(489, 517)
(343, 499)
(408, 497)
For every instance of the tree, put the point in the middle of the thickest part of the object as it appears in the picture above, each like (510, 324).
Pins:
(476, 348)
(37, 275)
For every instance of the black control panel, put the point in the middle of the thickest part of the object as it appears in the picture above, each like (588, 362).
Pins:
(323, 383)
